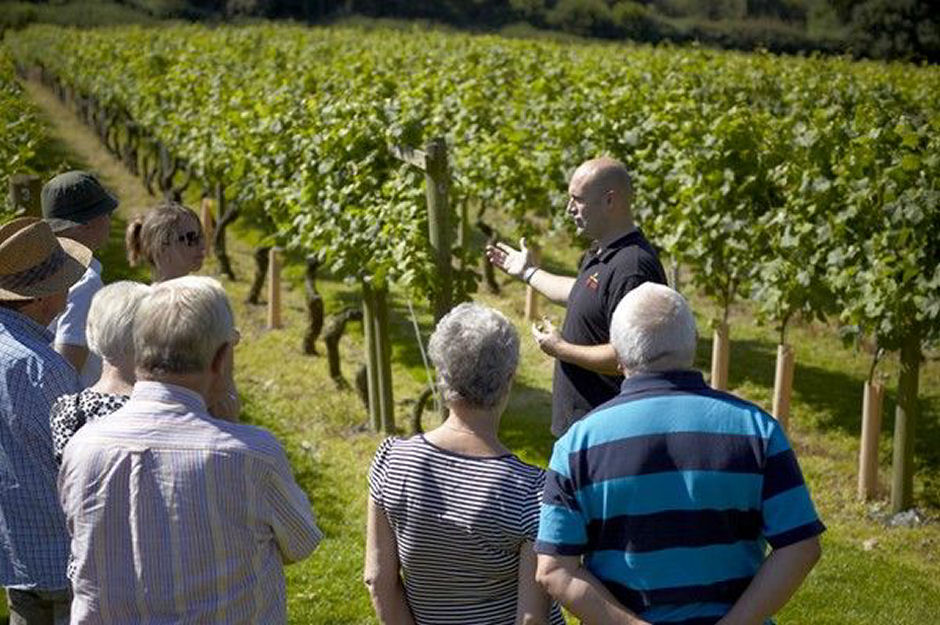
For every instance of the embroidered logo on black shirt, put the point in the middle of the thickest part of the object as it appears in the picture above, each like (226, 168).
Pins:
(592, 281)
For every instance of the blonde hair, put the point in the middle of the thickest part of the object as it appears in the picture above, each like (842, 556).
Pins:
(154, 229)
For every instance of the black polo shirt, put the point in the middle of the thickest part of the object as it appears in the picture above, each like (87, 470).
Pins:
(605, 276)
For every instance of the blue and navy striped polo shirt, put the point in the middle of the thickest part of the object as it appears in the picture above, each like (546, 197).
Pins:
(672, 492)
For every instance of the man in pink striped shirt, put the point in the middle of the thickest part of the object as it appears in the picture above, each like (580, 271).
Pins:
(176, 516)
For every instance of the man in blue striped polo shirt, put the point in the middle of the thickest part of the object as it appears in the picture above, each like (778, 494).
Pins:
(659, 505)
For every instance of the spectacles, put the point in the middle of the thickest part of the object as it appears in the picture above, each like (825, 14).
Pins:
(191, 238)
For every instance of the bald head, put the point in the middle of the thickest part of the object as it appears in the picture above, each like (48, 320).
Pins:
(605, 174)
(653, 330)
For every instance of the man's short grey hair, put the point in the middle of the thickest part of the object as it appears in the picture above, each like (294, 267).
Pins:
(108, 332)
(181, 325)
(653, 329)
(475, 350)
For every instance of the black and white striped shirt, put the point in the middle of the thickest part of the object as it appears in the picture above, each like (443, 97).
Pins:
(459, 522)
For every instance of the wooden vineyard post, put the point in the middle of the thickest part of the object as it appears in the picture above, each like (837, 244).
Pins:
(437, 180)
(783, 384)
(675, 272)
(384, 354)
(372, 370)
(871, 428)
(274, 288)
(531, 295)
(720, 356)
(433, 162)
(25, 190)
(463, 232)
(207, 222)
(905, 417)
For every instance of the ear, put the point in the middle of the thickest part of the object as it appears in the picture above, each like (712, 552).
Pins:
(217, 366)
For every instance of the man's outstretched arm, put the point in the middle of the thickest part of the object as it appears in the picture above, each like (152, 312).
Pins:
(518, 264)
(776, 581)
(584, 595)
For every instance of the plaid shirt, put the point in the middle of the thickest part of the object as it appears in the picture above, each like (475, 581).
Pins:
(34, 542)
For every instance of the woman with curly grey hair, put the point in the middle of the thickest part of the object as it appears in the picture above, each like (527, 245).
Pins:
(453, 513)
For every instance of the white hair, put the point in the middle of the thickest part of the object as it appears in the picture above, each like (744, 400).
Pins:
(181, 325)
(475, 350)
(653, 329)
(110, 328)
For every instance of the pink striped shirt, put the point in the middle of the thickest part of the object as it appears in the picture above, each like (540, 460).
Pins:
(177, 517)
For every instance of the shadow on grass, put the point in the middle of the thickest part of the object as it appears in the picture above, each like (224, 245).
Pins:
(526, 425)
(835, 397)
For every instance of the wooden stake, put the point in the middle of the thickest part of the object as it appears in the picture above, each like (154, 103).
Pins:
(372, 369)
(905, 417)
(871, 429)
(437, 181)
(384, 353)
(674, 275)
(208, 224)
(25, 191)
(783, 385)
(531, 295)
(274, 289)
(720, 357)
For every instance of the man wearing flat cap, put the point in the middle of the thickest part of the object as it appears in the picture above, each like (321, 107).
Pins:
(36, 271)
(77, 207)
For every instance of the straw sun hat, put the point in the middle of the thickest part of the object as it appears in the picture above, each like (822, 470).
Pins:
(35, 263)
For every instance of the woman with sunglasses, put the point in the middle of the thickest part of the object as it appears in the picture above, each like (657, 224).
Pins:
(168, 238)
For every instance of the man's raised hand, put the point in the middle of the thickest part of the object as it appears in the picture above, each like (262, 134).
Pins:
(512, 261)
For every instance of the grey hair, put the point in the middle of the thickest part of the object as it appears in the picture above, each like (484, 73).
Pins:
(110, 328)
(181, 325)
(653, 329)
(475, 350)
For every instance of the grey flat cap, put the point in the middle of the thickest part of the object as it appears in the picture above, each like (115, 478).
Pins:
(74, 198)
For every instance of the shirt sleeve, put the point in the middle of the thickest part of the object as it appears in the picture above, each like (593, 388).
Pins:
(70, 328)
(378, 469)
(562, 525)
(292, 519)
(787, 509)
(530, 509)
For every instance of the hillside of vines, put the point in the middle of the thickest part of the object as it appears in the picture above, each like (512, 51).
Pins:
(807, 184)
(21, 131)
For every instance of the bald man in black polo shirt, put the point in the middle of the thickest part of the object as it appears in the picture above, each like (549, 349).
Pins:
(620, 259)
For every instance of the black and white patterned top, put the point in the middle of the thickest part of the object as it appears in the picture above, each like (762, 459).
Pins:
(71, 412)
(459, 522)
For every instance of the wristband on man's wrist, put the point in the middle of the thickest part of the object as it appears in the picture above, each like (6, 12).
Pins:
(528, 273)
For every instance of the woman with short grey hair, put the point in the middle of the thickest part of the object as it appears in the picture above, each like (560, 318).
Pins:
(110, 336)
(453, 513)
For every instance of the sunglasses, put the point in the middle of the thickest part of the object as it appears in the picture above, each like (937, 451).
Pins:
(191, 238)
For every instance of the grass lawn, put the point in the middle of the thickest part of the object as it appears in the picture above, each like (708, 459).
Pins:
(868, 572)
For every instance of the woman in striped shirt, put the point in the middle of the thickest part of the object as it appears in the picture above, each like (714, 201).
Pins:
(453, 513)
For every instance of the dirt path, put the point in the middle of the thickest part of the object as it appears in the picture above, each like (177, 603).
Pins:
(85, 144)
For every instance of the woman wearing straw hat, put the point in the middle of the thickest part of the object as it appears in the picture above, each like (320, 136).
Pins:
(36, 271)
